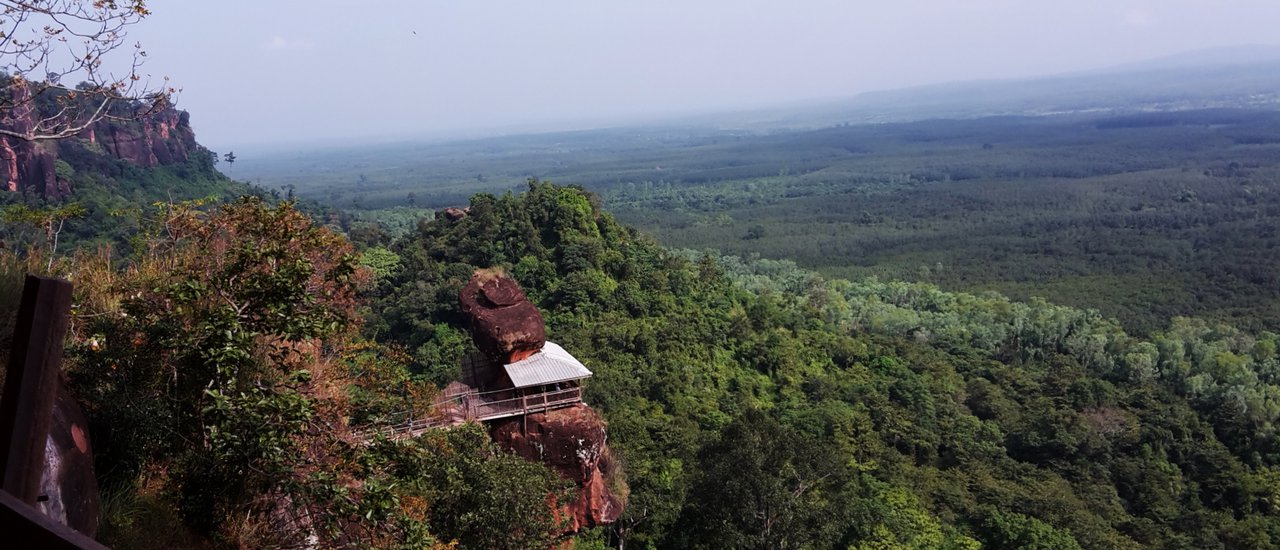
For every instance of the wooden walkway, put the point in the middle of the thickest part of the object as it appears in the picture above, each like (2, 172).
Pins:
(473, 406)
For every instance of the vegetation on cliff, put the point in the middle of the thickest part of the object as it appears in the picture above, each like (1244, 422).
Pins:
(750, 403)
(221, 370)
(112, 188)
(760, 403)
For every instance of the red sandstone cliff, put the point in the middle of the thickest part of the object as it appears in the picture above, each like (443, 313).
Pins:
(157, 139)
(571, 441)
(507, 327)
(25, 165)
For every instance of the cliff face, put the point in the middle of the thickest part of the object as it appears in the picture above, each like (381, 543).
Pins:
(25, 165)
(158, 139)
(572, 441)
(161, 139)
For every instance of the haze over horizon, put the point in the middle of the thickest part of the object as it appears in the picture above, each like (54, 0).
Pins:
(290, 72)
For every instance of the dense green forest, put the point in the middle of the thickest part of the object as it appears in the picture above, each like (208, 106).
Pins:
(752, 404)
(1143, 216)
(757, 404)
(229, 352)
(1041, 313)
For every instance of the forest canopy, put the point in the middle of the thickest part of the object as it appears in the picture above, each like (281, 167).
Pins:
(926, 418)
(227, 364)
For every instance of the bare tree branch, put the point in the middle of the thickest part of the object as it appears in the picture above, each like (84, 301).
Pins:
(65, 64)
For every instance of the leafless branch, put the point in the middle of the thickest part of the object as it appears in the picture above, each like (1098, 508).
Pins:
(65, 65)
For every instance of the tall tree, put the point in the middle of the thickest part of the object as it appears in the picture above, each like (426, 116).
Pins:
(765, 485)
(49, 219)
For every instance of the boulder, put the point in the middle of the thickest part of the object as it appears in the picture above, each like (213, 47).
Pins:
(453, 214)
(505, 325)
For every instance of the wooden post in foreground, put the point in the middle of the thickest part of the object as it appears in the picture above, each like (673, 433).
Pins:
(30, 386)
(25, 527)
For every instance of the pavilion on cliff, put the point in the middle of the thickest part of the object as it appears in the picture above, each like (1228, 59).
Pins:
(547, 379)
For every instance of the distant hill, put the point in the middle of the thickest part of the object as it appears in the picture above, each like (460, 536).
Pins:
(1173, 88)
(1235, 77)
(1250, 54)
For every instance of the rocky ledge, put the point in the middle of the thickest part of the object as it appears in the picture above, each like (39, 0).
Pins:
(571, 441)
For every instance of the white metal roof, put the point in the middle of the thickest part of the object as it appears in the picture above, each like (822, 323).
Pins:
(550, 365)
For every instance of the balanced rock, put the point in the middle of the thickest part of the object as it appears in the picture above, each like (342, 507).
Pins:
(505, 325)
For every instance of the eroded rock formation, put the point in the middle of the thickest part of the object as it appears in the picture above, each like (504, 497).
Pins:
(160, 139)
(453, 213)
(572, 441)
(26, 165)
(505, 325)
(157, 139)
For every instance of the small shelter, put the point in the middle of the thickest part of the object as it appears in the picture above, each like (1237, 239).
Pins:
(548, 379)
(549, 369)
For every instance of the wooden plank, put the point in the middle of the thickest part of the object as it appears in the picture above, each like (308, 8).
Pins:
(26, 407)
(25, 527)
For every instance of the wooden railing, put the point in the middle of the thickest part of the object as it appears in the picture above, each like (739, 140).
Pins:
(491, 410)
(473, 406)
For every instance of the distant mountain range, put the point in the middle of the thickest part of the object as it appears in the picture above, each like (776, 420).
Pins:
(1231, 77)
(1250, 54)
(1243, 76)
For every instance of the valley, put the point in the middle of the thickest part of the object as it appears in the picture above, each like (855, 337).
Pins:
(1040, 311)
(1143, 216)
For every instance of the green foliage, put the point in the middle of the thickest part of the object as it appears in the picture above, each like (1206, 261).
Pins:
(46, 221)
(63, 170)
(470, 490)
(112, 194)
(1012, 530)
(250, 445)
(381, 261)
(758, 404)
(1143, 217)
(903, 524)
(753, 403)
(196, 358)
(763, 485)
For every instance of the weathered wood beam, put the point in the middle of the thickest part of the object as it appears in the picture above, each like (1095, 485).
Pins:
(30, 387)
(25, 527)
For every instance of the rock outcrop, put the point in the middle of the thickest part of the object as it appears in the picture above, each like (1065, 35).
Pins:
(156, 139)
(505, 325)
(159, 139)
(572, 441)
(453, 213)
(26, 165)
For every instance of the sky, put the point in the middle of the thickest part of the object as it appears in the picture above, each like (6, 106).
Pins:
(272, 72)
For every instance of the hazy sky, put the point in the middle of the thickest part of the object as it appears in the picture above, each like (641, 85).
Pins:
(277, 71)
